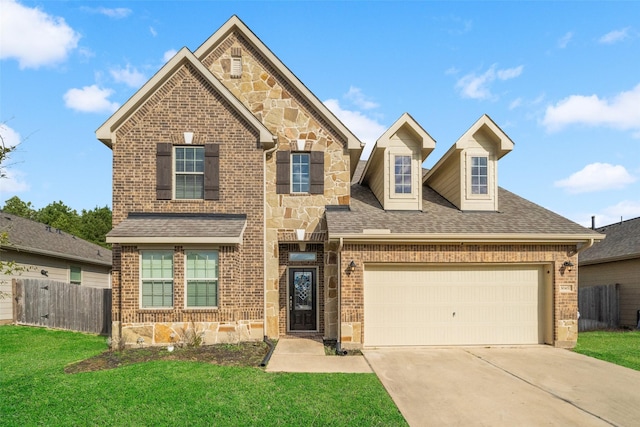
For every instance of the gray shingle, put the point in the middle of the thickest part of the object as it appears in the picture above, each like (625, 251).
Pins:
(622, 242)
(34, 237)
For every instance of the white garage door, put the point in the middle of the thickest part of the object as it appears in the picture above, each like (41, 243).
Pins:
(453, 305)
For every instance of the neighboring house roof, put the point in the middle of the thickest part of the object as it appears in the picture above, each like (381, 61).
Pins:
(622, 242)
(439, 221)
(107, 132)
(34, 237)
(354, 145)
(179, 228)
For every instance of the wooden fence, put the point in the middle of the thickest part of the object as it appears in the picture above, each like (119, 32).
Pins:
(39, 302)
(599, 307)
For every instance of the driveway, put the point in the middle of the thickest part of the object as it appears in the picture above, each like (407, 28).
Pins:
(527, 386)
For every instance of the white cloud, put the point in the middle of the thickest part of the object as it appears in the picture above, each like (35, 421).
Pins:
(169, 54)
(614, 36)
(477, 86)
(596, 177)
(13, 182)
(129, 76)
(356, 96)
(10, 138)
(564, 40)
(515, 103)
(90, 99)
(367, 129)
(33, 37)
(116, 13)
(621, 112)
(153, 31)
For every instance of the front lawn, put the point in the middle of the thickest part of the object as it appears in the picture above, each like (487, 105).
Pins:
(619, 347)
(34, 390)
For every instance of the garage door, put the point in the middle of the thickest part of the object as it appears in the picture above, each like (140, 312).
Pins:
(453, 305)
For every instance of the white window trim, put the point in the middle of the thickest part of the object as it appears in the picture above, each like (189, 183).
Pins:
(392, 174)
(468, 166)
(174, 172)
(297, 153)
(186, 279)
(140, 279)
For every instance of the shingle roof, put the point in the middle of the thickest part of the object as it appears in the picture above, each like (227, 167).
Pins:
(622, 242)
(179, 228)
(34, 237)
(517, 216)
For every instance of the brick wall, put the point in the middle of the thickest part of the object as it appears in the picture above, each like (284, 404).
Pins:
(187, 103)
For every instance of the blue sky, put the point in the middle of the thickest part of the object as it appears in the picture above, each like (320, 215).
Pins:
(562, 79)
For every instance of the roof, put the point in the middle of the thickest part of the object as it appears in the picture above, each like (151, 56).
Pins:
(622, 242)
(107, 132)
(176, 228)
(518, 220)
(34, 237)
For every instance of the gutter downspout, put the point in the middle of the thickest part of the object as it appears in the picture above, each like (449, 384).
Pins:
(586, 246)
(267, 153)
(338, 343)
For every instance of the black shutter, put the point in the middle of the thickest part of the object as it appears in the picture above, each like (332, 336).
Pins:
(317, 172)
(212, 171)
(282, 172)
(163, 170)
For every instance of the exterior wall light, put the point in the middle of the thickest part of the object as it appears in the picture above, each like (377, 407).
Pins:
(352, 267)
(568, 265)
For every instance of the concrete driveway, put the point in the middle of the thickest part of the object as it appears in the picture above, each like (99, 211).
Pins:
(525, 386)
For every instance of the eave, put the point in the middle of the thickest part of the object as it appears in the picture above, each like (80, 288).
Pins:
(58, 255)
(191, 240)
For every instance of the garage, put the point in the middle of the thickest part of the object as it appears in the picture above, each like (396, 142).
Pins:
(420, 305)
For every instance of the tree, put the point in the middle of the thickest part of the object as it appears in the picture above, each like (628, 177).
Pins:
(95, 224)
(58, 215)
(17, 207)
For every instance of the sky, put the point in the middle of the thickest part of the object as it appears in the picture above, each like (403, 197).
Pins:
(562, 79)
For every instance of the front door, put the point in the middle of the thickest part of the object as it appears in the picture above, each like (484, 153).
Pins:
(302, 299)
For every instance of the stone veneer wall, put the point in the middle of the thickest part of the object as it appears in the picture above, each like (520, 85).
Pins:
(286, 113)
(564, 283)
(187, 103)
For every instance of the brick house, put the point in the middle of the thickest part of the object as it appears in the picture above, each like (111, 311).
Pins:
(241, 209)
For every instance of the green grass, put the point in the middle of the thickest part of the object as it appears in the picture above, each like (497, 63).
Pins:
(34, 390)
(619, 347)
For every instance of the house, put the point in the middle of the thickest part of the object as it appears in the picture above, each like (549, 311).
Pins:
(241, 210)
(616, 260)
(41, 251)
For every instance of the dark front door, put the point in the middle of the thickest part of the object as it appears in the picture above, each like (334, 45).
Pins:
(302, 299)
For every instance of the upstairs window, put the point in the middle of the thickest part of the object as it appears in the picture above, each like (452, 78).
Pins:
(189, 167)
(299, 173)
(402, 175)
(202, 278)
(187, 172)
(157, 279)
(300, 179)
(479, 175)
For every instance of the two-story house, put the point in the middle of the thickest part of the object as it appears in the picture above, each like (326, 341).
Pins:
(241, 209)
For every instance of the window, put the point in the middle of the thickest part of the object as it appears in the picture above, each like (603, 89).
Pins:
(302, 256)
(300, 163)
(75, 275)
(189, 168)
(402, 174)
(479, 175)
(202, 278)
(157, 279)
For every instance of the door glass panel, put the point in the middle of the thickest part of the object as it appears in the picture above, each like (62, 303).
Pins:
(302, 290)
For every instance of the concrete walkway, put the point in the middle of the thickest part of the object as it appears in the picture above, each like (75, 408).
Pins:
(522, 386)
(307, 355)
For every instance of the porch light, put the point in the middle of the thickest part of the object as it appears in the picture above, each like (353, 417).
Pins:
(568, 265)
(352, 267)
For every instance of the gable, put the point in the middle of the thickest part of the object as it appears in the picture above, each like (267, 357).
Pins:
(183, 60)
(272, 92)
(393, 171)
(467, 175)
